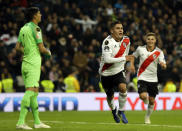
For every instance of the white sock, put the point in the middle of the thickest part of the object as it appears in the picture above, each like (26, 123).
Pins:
(122, 100)
(150, 110)
(111, 103)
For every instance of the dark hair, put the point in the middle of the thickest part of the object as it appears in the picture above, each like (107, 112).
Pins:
(114, 23)
(30, 12)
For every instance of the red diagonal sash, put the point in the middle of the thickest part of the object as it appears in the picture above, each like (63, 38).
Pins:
(121, 51)
(148, 61)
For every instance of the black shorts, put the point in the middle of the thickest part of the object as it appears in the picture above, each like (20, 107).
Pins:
(149, 87)
(110, 82)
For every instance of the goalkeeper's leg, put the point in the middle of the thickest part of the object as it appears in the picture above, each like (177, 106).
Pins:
(35, 112)
(25, 105)
(34, 107)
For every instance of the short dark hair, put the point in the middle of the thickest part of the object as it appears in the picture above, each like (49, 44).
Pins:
(30, 12)
(114, 23)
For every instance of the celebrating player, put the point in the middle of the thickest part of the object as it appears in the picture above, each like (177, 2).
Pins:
(30, 42)
(115, 49)
(149, 57)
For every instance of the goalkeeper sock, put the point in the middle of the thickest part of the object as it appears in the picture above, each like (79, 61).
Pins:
(122, 100)
(111, 103)
(25, 105)
(34, 107)
(149, 110)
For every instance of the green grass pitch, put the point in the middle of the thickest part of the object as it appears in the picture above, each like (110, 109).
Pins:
(97, 121)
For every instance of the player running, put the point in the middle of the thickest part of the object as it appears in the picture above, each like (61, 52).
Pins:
(149, 57)
(115, 49)
(31, 43)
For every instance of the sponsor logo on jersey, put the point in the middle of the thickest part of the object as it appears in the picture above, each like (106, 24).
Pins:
(39, 35)
(106, 48)
(106, 42)
(38, 29)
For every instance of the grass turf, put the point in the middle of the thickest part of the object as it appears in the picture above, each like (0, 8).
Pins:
(97, 121)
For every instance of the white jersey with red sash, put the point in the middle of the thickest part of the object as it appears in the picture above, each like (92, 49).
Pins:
(147, 70)
(113, 55)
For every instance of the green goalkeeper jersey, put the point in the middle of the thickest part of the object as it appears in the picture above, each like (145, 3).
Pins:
(30, 36)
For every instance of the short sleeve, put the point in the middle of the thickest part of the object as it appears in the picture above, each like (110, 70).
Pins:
(107, 53)
(38, 35)
(136, 53)
(106, 47)
(161, 57)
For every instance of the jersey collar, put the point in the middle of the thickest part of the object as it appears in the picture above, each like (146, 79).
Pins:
(148, 50)
(33, 23)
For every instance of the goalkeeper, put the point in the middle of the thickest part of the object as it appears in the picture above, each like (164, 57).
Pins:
(31, 43)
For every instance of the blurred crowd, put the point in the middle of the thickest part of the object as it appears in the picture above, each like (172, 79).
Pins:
(74, 30)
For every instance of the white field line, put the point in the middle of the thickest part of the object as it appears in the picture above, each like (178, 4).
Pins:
(105, 123)
(101, 123)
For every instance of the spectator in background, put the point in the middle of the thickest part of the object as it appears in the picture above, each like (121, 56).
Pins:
(71, 81)
(86, 22)
(80, 61)
(92, 69)
(90, 88)
(61, 87)
(3, 53)
(169, 86)
(53, 74)
(180, 89)
(7, 81)
(175, 75)
(47, 86)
